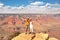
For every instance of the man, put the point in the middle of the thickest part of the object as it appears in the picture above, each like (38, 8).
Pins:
(27, 25)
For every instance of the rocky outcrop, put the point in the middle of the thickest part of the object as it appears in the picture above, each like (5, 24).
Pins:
(36, 36)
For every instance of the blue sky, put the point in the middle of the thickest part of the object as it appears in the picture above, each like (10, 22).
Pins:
(30, 6)
(25, 2)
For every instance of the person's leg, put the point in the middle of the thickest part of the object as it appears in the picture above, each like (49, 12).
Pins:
(31, 29)
(27, 29)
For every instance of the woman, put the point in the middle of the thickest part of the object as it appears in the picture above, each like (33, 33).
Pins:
(31, 27)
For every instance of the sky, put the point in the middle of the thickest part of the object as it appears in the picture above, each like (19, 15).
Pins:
(25, 2)
(30, 6)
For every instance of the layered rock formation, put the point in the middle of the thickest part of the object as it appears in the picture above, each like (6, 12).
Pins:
(42, 23)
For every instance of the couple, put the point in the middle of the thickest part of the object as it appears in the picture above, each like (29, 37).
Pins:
(29, 26)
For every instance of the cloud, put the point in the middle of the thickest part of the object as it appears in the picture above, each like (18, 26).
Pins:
(37, 3)
(1, 4)
(32, 8)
